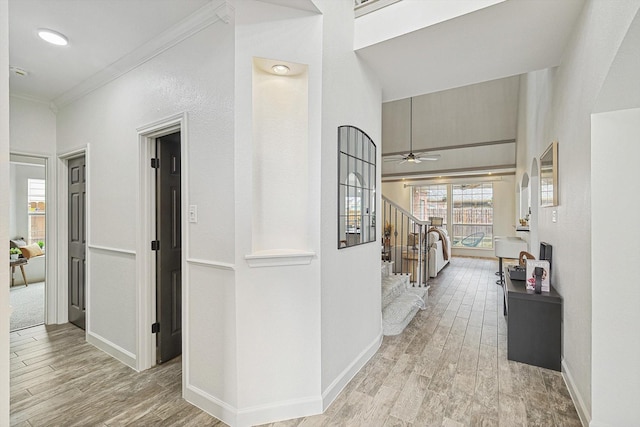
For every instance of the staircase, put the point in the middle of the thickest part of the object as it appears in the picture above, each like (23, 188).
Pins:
(404, 267)
(403, 242)
(400, 301)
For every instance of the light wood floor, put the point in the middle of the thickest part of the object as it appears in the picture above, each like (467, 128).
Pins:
(448, 368)
(58, 379)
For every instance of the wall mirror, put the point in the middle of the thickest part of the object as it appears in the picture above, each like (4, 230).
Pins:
(356, 187)
(549, 176)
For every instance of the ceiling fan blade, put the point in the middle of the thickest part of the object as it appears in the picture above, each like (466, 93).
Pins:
(392, 158)
(404, 161)
(416, 160)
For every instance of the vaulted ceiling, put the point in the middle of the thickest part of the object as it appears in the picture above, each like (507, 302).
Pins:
(438, 44)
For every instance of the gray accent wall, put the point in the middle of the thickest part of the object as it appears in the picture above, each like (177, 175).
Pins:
(471, 127)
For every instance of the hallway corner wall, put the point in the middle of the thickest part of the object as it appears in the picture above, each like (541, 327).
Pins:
(4, 209)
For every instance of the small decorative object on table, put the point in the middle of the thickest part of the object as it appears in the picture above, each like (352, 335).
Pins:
(388, 228)
(531, 276)
(14, 253)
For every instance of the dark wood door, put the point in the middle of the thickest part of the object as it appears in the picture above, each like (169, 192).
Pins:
(169, 255)
(77, 244)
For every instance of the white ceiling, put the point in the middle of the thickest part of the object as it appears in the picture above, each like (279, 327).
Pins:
(505, 39)
(100, 32)
(509, 38)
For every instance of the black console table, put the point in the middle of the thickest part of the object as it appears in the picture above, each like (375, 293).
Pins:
(533, 325)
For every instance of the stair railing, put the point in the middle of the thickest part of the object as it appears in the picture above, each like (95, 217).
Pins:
(404, 242)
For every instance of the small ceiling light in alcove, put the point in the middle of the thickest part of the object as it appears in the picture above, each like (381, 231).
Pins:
(280, 69)
(53, 37)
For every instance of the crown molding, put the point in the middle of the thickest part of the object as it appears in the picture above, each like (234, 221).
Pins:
(219, 11)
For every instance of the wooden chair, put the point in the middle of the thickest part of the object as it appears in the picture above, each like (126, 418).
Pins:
(20, 262)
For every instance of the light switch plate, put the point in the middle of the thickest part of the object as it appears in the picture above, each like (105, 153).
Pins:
(554, 216)
(193, 213)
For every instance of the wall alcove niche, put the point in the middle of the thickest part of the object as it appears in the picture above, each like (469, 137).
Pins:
(356, 187)
(280, 99)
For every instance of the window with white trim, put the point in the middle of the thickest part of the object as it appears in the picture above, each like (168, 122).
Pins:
(472, 215)
(430, 201)
(36, 210)
(469, 215)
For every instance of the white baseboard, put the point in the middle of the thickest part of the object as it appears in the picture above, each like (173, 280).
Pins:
(295, 408)
(583, 412)
(256, 415)
(112, 349)
(211, 404)
(284, 410)
(330, 394)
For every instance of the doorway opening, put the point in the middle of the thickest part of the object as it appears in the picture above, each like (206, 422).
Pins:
(168, 247)
(77, 207)
(28, 234)
(160, 256)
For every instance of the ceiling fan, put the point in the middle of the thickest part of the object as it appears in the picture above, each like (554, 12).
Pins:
(411, 157)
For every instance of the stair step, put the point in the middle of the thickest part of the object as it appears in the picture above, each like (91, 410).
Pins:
(399, 312)
(393, 285)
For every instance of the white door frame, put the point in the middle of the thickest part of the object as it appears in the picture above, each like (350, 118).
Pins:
(145, 259)
(63, 233)
(51, 284)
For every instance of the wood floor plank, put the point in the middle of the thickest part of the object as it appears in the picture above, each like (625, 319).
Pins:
(513, 411)
(55, 404)
(409, 400)
(375, 378)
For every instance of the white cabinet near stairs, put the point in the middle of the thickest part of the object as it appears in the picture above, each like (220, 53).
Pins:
(400, 300)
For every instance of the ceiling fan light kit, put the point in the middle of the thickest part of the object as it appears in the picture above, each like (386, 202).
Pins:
(412, 157)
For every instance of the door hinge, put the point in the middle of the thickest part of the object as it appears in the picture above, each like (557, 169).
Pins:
(155, 328)
(155, 245)
(155, 163)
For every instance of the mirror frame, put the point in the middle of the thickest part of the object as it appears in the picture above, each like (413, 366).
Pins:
(357, 149)
(550, 155)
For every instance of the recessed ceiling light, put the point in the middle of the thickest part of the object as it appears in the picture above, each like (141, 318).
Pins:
(53, 37)
(280, 69)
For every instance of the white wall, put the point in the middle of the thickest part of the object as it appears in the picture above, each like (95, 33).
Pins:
(194, 77)
(614, 152)
(4, 209)
(351, 310)
(398, 193)
(278, 307)
(33, 127)
(558, 107)
(616, 342)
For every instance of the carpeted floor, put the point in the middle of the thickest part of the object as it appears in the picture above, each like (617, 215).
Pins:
(27, 303)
